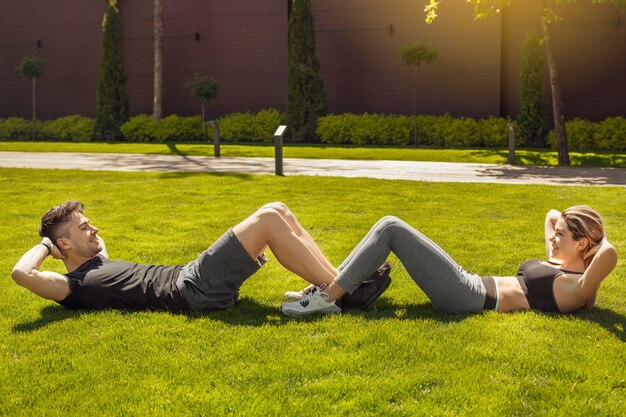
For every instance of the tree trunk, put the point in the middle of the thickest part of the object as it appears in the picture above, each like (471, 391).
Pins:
(557, 102)
(157, 105)
(414, 107)
(34, 131)
(204, 135)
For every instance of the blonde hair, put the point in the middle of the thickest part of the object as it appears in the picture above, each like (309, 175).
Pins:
(583, 221)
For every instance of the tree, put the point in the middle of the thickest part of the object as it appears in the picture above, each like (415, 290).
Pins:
(112, 106)
(532, 116)
(414, 55)
(157, 103)
(31, 68)
(307, 101)
(488, 8)
(205, 88)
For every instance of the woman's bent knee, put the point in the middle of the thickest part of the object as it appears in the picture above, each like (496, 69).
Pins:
(388, 221)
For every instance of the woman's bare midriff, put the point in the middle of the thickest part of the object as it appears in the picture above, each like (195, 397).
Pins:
(512, 296)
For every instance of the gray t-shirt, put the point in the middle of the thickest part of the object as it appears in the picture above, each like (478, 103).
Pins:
(101, 283)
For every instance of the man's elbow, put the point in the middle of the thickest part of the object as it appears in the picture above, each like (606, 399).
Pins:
(19, 275)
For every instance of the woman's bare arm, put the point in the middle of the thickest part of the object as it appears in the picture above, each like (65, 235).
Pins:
(551, 217)
(601, 265)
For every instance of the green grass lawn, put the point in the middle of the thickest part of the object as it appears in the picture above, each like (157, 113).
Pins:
(480, 155)
(399, 358)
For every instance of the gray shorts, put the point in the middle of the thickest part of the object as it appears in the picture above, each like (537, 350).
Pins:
(212, 281)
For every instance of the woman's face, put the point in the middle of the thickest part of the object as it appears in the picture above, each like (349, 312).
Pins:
(564, 247)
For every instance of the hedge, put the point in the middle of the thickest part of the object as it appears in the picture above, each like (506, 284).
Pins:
(444, 131)
(235, 127)
(173, 128)
(583, 135)
(250, 127)
(69, 128)
(15, 128)
(141, 128)
(365, 129)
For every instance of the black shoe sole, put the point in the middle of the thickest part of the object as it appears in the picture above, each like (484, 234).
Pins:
(377, 294)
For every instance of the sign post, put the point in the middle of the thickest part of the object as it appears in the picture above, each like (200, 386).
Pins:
(278, 148)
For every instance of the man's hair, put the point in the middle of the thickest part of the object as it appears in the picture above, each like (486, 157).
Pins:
(56, 217)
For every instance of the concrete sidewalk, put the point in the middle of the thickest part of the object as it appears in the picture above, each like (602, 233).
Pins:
(404, 170)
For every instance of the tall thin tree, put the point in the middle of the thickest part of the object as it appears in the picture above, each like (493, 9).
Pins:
(204, 88)
(307, 100)
(414, 55)
(31, 68)
(112, 108)
(157, 104)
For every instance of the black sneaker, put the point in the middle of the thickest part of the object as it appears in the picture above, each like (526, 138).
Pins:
(369, 290)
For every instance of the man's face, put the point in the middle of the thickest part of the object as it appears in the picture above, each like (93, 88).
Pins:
(80, 237)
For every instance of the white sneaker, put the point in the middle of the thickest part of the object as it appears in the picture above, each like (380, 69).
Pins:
(315, 302)
(298, 295)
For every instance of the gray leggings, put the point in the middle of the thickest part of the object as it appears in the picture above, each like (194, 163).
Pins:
(449, 287)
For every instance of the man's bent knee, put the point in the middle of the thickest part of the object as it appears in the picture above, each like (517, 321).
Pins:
(268, 216)
(279, 207)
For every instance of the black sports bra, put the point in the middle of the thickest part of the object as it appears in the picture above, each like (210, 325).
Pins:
(537, 280)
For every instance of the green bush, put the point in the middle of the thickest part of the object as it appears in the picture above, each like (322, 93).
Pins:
(610, 134)
(495, 132)
(461, 133)
(236, 127)
(354, 129)
(365, 129)
(334, 129)
(69, 128)
(442, 131)
(265, 124)
(583, 135)
(15, 128)
(174, 128)
(428, 131)
(250, 127)
(141, 128)
(580, 134)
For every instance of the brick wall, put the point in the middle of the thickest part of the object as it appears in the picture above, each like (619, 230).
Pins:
(243, 45)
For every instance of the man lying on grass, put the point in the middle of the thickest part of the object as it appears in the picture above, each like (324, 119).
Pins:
(210, 282)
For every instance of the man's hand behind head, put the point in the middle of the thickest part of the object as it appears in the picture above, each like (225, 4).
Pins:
(56, 253)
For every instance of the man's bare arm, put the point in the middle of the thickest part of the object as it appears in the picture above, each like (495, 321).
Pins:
(47, 284)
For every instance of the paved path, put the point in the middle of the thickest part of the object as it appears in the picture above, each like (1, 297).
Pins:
(405, 170)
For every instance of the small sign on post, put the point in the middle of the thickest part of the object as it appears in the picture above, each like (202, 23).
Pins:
(511, 144)
(278, 148)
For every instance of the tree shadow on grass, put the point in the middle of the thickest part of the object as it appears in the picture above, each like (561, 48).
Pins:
(174, 150)
(180, 175)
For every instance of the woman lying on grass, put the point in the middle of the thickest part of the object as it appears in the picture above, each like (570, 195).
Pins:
(579, 258)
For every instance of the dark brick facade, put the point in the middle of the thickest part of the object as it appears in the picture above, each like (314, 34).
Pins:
(243, 45)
